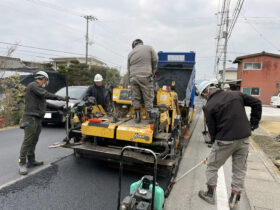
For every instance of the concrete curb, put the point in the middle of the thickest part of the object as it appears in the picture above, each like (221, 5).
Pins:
(272, 169)
(9, 128)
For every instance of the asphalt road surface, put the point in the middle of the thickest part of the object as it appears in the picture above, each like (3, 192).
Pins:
(10, 141)
(69, 183)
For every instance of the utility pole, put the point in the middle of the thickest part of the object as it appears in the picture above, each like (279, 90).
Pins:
(225, 36)
(88, 18)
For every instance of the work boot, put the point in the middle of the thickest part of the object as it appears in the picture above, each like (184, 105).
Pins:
(234, 198)
(32, 162)
(137, 117)
(151, 120)
(208, 195)
(22, 166)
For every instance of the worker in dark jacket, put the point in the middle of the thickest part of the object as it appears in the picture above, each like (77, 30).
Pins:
(35, 107)
(99, 92)
(230, 130)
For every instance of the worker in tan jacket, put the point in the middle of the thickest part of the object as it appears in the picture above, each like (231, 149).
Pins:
(141, 66)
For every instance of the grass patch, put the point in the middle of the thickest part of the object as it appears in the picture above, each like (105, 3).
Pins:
(269, 145)
(273, 127)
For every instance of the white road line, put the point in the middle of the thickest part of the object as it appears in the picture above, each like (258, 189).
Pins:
(221, 191)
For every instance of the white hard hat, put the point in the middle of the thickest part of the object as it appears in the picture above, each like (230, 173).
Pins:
(98, 78)
(226, 86)
(41, 75)
(203, 85)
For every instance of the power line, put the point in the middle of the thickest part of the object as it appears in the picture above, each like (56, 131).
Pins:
(107, 30)
(33, 47)
(40, 48)
(235, 15)
(260, 34)
(225, 31)
(62, 9)
(109, 50)
(56, 7)
(34, 52)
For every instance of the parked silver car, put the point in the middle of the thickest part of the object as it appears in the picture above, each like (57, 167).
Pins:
(55, 108)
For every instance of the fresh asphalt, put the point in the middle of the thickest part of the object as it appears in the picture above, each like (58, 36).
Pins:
(68, 183)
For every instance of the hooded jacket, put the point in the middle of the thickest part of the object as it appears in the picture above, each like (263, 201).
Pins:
(226, 117)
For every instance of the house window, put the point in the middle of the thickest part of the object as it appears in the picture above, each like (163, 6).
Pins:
(251, 91)
(252, 66)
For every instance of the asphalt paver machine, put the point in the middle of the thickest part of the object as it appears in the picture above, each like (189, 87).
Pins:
(102, 135)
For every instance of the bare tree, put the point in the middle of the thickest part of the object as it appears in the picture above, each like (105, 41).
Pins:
(4, 63)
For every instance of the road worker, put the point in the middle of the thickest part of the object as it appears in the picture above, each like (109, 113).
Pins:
(99, 92)
(227, 87)
(230, 130)
(141, 66)
(35, 107)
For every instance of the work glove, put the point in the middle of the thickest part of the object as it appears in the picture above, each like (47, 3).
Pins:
(60, 98)
(253, 127)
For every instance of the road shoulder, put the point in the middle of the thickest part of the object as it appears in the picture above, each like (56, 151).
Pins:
(262, 182)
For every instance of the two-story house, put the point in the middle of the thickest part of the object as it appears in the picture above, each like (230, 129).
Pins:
(259, 74)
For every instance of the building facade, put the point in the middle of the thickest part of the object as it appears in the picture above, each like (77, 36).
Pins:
(7, 62)
(67, 60)
(259, 74)
(10, 62)
(230, 74)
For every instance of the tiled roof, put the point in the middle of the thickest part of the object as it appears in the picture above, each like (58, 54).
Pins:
(263, 53)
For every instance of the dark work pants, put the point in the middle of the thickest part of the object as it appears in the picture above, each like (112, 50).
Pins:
(31, 135)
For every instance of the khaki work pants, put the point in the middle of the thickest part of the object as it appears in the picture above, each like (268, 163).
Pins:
(31, 135)
(145, 86)
(220, 152)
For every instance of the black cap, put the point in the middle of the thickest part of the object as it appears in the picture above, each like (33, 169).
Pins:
(136, 42)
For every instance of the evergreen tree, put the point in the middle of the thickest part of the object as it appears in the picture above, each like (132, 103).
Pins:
(110, 75)
(79, 74)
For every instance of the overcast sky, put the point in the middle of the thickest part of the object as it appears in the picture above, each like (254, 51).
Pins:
(166, 25)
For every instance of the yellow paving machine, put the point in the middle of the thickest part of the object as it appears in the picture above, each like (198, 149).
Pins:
(102, 135)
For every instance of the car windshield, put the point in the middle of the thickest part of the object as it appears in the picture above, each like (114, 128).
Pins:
(74, 92)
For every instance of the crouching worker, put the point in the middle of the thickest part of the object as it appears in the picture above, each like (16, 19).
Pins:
(35, 107)
(230, 130)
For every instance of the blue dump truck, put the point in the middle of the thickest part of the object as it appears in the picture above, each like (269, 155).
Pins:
(179, 67)
(102, 135)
